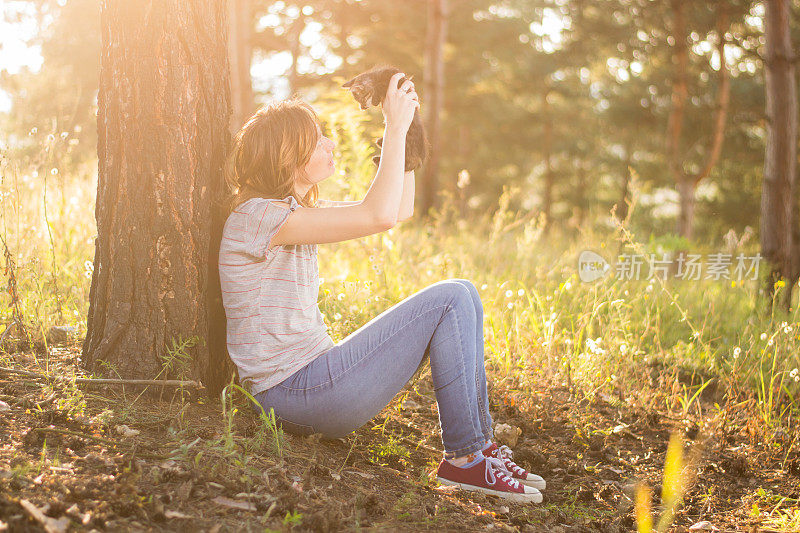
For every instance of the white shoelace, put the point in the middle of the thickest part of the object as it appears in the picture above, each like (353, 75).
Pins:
(505, 453)
(493, 466)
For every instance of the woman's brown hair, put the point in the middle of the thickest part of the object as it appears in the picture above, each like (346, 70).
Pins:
(269, 151)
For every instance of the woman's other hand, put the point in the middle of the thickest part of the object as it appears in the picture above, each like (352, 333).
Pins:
(400, 103)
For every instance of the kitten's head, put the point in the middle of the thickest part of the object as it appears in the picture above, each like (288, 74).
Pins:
(369, 88)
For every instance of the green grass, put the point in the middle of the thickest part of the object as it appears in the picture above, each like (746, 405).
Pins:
(540, 320)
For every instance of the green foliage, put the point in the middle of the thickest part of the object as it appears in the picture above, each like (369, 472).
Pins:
(380, 452)
(268, 433)
(574, 92)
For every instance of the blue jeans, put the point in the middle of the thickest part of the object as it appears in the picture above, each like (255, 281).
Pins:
(347, 386)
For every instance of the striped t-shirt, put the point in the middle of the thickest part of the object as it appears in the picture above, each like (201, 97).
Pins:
(275, 327)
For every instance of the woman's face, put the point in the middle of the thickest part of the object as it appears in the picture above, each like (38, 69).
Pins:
(320, 166)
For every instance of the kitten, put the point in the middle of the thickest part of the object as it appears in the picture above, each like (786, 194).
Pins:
(369, 89)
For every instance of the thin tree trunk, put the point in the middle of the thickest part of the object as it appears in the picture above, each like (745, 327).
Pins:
(293, 34)
(163, 118)
(687, 184)
(686, 189)
(680, 93)
(622, 206)
(547, 202)
(582, 193)
(240, 53)
(434, 97)
(778, 190)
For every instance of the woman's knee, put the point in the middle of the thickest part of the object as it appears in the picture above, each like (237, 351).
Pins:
(454, 291)
(473, 291)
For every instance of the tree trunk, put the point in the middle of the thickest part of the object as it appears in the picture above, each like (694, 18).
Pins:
(293, 35)
(547, 202)
(686, 188)
(778, 189)
(582, 193)
(163, 117)
(240, 53)
(622, 206)
(434, 97)
(687, 184)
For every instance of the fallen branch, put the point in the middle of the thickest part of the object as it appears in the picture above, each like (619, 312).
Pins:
(101, 440)
(77, 434)
(108, 381)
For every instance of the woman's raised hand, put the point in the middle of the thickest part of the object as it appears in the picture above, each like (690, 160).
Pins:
(400, 103)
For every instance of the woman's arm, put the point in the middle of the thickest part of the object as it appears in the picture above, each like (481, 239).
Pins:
(337, 203)
(407, 200)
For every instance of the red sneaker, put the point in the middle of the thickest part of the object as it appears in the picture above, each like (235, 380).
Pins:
(517, 472)
(488, 476)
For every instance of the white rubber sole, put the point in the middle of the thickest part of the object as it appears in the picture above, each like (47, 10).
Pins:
(531, 497)
(535, 483)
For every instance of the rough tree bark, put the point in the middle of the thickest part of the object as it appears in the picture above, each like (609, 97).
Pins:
(240, 53)
(686, 184)
(434, 95)
(163, 117)
(778, 241)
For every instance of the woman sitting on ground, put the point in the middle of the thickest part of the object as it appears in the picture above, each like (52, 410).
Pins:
(276, 333)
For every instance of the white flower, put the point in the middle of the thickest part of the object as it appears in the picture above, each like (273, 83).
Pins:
(510, 305)
(787, 329)
(736, 352)
(623, 348)
(594, 346)
(53, 171)
(520, 292)
(337, 316)
(341, 296)
(770, 342)
(649, 288)
(763, 336)
(484, 287)
(509, 293)
(567, 286)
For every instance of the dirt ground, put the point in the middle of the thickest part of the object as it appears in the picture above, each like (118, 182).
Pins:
(82, 459)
